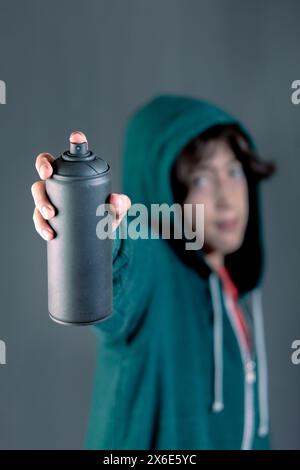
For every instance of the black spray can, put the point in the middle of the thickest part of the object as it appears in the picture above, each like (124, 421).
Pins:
(79, 263)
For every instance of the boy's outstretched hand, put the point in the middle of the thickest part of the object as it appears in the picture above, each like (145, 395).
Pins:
(43, 208)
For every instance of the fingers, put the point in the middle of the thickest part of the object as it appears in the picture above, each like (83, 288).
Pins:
(121, 204)
(41, 200)
(43, 164)
(41, 226)
(43, 207)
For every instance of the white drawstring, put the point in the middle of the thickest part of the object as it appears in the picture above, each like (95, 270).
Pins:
(262, 362)
(218, 403)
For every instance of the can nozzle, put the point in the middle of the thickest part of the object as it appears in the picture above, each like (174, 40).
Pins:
(78, 144)
(79, 149)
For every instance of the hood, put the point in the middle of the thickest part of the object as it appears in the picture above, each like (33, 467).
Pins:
(155, 135)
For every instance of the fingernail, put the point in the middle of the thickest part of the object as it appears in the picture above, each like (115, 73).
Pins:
(47, 211)
(46, 234)
(78, 137)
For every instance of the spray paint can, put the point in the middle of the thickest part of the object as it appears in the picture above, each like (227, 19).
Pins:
(79, 263)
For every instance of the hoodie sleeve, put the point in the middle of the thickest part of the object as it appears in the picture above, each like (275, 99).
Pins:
(132, 284)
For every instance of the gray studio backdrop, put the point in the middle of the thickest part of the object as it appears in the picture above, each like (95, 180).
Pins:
(86, 65)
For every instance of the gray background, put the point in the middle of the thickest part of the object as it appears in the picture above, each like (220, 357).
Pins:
(86, 65)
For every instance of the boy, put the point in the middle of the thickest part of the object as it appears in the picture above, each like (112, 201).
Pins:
(182, 359)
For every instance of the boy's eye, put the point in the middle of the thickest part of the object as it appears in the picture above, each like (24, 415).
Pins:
(201, 181)
(236, 171)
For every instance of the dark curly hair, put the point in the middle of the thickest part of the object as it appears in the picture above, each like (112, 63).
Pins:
(255, 169)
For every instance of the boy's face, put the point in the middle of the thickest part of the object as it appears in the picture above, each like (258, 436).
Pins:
(220, 184)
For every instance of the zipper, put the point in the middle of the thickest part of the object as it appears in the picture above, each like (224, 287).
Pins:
(249, 380)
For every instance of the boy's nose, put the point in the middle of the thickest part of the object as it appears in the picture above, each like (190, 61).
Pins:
(224, 196)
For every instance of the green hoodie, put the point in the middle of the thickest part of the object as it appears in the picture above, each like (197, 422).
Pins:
(171, 371)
